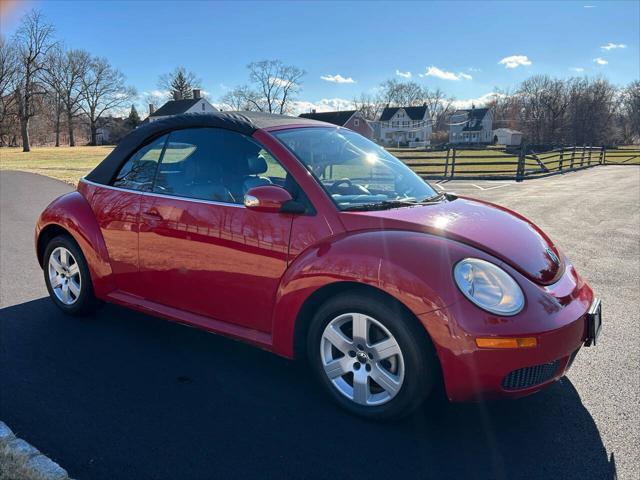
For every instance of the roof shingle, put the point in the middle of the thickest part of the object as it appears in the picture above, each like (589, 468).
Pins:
(175, 107)
(337, 118)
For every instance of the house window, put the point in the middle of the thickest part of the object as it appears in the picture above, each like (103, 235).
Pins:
(356, 123)
(202, 106)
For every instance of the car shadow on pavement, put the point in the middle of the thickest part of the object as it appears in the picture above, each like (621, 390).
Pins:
(124, 395)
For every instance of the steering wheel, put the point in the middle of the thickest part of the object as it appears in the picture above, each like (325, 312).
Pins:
(345, 181)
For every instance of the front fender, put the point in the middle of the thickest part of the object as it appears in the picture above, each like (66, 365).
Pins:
(73, 213)
(414, 268)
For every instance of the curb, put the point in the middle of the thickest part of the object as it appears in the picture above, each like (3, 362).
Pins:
(21, 461)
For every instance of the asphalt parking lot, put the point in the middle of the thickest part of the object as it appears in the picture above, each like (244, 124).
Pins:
(123, 395)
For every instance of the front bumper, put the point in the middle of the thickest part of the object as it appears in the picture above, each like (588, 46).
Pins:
(557, 316)
(513, 373)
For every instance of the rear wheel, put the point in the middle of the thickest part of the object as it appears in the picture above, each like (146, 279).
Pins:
(371, 355)
(67, 277)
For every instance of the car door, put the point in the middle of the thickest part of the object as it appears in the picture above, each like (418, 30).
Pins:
(117, 210)
(201, 250)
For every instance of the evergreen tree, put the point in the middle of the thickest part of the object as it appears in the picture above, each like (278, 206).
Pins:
(180, 83)
(134, 119)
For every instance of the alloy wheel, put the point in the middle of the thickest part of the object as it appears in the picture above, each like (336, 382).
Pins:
(64, 276)
(362, 359)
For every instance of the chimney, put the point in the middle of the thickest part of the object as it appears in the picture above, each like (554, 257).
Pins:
(152, 109)
(177, 95)
(196, 93)
(313, 110)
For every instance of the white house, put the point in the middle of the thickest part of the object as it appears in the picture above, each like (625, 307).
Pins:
(197, 104)
(410, 125)
(471, 126)
(506, 136)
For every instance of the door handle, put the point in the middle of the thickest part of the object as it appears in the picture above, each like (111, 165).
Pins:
(152, 214)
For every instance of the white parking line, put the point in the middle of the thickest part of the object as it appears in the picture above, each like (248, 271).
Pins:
(491, 188)
(466, 186)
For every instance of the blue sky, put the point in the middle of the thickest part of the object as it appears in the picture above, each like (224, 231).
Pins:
(457, 45)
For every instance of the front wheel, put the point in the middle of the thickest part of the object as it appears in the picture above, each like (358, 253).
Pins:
(372, 357)
(67, 277)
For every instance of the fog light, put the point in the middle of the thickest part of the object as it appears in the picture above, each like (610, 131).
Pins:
(525, 342)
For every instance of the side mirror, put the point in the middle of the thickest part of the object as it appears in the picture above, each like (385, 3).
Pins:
(271, 198)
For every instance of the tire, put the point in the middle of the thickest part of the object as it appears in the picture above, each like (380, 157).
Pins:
(68, 280)
(407, 370)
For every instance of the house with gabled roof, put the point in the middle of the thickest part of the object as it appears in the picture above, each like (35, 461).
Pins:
(405, 125)
(471, 126)
(351, 119)
(178, 106)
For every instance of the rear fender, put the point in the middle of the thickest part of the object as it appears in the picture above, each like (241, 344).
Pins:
(73, 214)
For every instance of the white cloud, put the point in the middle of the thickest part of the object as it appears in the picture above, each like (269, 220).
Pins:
(480, 101)
(473, 69)
(611, 46)
(600, 61)
(403, 74)
(444, 75)
(577, 69)
(281, 82)
(589, 6)
(515, 61)
(157, 93)
(324, 105)
(337, 79)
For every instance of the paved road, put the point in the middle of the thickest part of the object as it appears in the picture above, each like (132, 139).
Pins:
(123, 395)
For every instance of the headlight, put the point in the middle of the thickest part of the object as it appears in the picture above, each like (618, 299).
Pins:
(488, 286)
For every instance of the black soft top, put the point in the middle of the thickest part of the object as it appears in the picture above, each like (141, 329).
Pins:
(245, 123)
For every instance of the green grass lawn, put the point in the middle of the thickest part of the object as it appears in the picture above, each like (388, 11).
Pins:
(466, 162)
(68, 164)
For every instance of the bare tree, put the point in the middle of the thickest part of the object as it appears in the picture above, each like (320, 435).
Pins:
(369, 106)
(64, 72)
(241, 98)
(543, 103)
(103, 89)
(591, 112)
(33, 40)
(180, 83)
(630, 113)
(275, 85)
(439, 106)
(8, 77)
(400, 94)
(52, 74)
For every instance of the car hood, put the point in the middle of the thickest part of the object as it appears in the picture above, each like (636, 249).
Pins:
(491, 228)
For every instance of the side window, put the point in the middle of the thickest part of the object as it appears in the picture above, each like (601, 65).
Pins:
(137, 173)
(215, 164)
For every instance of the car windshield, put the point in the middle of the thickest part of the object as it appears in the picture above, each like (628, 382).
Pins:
(357, 173)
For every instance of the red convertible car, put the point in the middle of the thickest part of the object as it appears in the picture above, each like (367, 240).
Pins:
(308, 240)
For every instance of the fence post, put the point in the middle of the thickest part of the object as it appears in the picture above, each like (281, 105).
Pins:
(561, 159)
(453, 162)
(603, 155)
(446, 162)
(582, 156)
(573, 157)
(589, 161)
(520, 167)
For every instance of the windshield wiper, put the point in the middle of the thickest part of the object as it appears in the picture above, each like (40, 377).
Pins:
(385, 205)
(388, 204)
(437, 198)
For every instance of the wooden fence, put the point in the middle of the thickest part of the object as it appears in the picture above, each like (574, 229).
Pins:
(500, 164)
